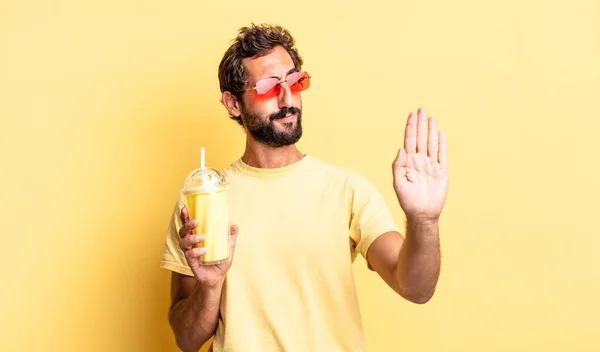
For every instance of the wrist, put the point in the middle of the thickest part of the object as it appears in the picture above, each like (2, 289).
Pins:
(211, 285)
(205, 291)
(422, 220)
(207, 286)
(422, 230)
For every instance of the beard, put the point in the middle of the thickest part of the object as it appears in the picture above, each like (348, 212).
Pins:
(266, 132)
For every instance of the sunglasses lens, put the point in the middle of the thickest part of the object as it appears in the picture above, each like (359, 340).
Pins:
(298, 81)
(263, 86)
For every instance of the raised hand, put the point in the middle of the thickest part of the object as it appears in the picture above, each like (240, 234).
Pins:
(421, 168)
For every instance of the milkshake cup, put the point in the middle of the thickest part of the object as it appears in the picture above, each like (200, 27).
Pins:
(205, 191)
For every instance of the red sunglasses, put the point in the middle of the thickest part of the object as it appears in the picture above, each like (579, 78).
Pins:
(297, 81)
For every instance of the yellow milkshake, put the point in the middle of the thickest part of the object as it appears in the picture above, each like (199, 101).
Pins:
(210, 209)
(206, 195)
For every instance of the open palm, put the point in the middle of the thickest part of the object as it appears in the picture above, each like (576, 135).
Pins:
(421, 168)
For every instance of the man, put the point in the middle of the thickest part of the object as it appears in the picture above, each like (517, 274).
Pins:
(301, 222)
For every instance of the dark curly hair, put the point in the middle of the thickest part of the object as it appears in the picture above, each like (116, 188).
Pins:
(253, 41)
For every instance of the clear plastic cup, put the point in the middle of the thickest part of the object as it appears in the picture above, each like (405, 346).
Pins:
(206, 196)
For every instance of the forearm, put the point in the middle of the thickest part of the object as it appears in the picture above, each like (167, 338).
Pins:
(418, 268)
(194, 319)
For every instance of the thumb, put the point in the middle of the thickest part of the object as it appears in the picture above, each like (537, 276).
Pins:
(399, 163)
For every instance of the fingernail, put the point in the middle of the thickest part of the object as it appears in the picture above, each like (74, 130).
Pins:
(199, 238)
(194, 223)
(202, 251)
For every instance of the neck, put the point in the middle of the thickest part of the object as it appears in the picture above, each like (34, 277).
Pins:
(265, 157)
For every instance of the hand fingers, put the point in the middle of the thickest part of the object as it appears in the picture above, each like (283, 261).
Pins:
(432, 142)
(410, 134)
(184, 216)
(190, 241)
(422, 131)
(195, 253)
(188, 228)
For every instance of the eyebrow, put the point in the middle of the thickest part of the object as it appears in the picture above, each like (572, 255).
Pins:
(291, 70)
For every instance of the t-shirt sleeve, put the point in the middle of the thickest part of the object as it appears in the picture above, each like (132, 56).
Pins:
(173, 257)
(369, 215)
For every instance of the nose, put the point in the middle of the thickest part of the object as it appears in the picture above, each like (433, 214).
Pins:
(285, 96)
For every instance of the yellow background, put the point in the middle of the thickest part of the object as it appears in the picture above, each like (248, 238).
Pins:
(104, 106)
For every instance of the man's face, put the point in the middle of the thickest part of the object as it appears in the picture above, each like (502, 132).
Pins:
(272, 119)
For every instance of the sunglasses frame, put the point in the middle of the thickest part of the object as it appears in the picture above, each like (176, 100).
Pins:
(279, 82)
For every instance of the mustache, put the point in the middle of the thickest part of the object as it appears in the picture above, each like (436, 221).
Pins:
(284, 111)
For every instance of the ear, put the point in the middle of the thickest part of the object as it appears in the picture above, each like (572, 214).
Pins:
(231, 104)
